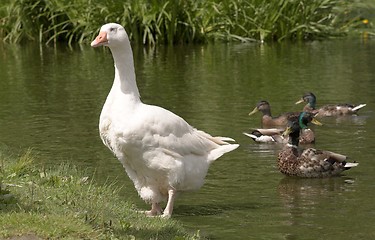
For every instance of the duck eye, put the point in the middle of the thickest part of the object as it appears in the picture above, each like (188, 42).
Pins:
(112, 29)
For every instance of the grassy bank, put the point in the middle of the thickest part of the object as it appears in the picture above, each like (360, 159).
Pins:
(182, 21)
(63, 203)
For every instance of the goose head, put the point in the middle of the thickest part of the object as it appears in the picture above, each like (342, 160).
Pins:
(111, 35)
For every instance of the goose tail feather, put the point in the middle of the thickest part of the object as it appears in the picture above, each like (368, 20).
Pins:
(220, 151)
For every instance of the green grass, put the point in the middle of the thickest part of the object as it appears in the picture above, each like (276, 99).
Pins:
(183, 21)
(64, 203)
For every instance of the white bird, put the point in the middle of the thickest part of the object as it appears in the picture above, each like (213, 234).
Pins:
(161, 153)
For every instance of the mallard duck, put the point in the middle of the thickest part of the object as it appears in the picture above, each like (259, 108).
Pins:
(267, 119)
(307, 135)
(161, 153)
(328, 110)
(274, 135)
(310, 162)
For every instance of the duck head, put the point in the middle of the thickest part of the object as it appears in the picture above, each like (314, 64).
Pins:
(292, 131)
(305, 118)
(262, 106)
(309, 98)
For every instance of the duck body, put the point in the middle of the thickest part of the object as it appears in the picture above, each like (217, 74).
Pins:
(310, 162)
(330, 110)
(267, 119)
(258, 135)
(307, 136)
(274, 135)
(161, 153)
(339, 110)
(266, 136)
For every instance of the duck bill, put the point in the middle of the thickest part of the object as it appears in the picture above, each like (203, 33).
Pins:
(254, 111)
(316, 122)
(287, 131)
(300, 101)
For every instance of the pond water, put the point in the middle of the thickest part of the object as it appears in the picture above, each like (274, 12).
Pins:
(50, 101)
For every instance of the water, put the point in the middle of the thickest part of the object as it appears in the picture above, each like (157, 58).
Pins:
(50, 100)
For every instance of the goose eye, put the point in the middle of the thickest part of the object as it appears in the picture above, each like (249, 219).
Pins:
(112, 29)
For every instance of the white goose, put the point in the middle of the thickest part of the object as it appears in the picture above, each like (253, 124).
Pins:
(161, 153)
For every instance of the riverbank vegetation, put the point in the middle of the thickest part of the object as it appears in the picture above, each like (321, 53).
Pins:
(64, 203)
(182, 21)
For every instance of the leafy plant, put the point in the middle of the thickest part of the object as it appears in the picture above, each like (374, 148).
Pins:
(181, 21)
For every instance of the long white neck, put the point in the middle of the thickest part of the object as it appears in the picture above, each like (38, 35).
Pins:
(124, 71)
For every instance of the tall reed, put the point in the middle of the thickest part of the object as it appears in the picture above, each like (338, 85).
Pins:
(178, 21)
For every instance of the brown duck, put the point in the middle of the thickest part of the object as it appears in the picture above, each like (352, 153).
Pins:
(310, 162)
(267, 119)
(328, 110)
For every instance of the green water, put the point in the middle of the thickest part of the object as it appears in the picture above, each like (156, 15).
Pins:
(50, 100)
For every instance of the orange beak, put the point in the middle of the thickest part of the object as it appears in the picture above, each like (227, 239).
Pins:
(100, 40)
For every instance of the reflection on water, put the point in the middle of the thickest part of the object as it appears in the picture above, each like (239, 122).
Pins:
(266, 149)
(297, 194)
(355, 120)
(313, 205)
(50, 100)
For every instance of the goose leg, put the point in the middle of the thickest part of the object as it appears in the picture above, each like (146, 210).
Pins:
(169, 208)
(155, 210)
